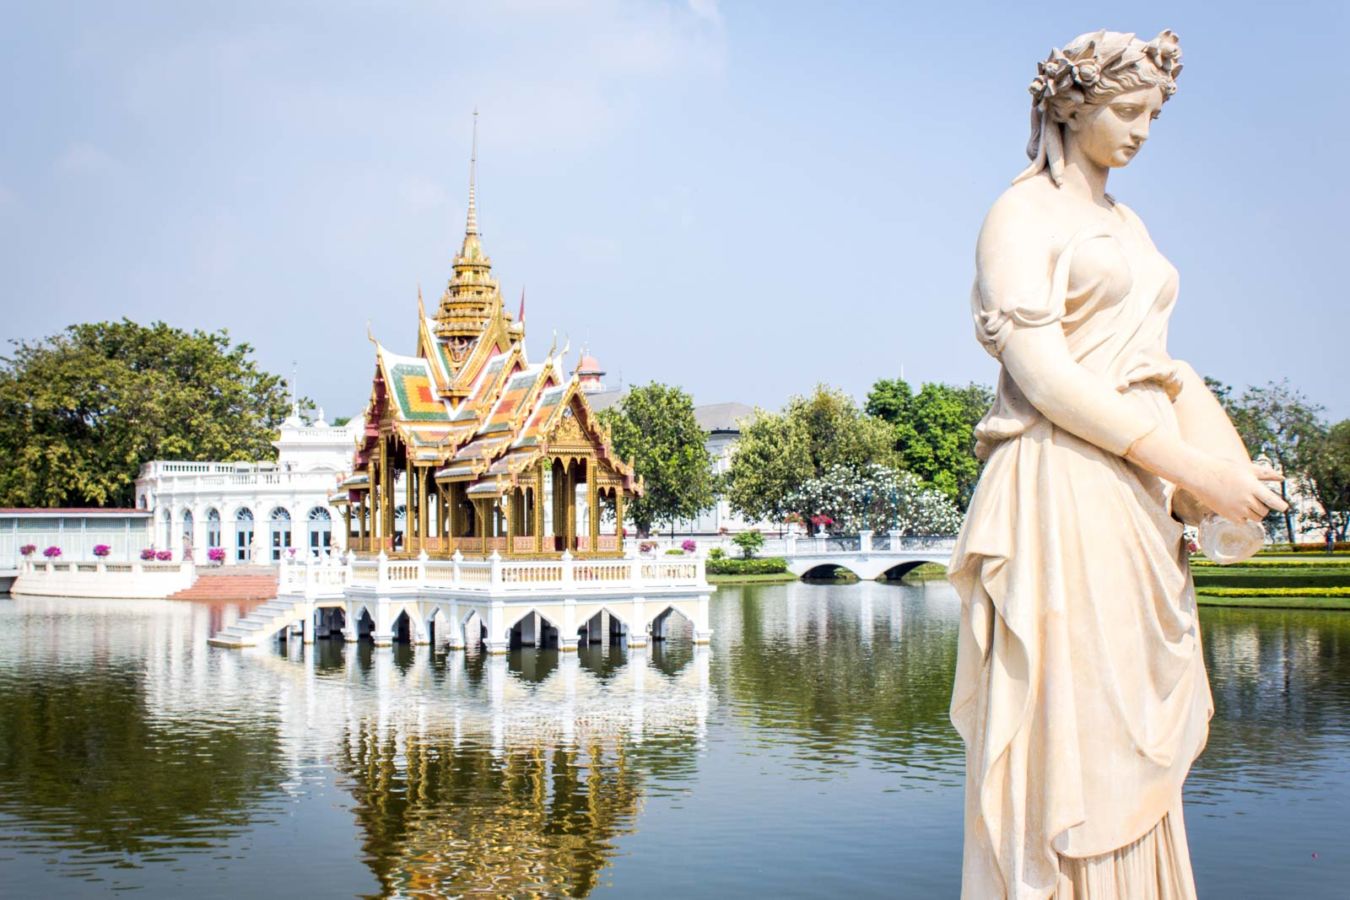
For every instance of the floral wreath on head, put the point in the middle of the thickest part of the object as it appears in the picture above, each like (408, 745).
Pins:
(1083, 70)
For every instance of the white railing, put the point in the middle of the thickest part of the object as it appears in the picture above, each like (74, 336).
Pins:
(189, 482)
(82, 578)
(805, 545)
(494, 575)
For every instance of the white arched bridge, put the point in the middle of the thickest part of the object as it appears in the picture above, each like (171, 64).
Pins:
(866, 555)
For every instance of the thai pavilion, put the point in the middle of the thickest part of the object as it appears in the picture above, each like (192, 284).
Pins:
(469, 446)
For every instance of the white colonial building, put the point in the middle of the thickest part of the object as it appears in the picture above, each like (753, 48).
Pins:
(257, 512)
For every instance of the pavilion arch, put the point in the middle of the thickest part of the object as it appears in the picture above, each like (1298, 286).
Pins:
(661, 622)
(474, 628)
(534, 629)
(363, 621)
(591, 622)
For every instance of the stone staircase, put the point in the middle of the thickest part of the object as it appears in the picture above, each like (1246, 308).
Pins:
(238, 583)
(261, 624)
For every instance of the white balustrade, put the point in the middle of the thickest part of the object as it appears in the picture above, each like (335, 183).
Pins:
(493, 575)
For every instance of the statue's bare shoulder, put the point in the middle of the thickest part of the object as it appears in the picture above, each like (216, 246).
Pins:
(1021, 236)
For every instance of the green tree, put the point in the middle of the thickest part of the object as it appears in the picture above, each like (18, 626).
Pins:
(777, 452)
(1280, 423)
(654, 426)
(1328, 471)
(934, 431)
(750, 542)
(82, 410)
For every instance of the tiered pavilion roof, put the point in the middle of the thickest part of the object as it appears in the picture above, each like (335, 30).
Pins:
(492, 450)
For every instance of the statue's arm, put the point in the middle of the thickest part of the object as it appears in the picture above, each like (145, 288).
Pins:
(1014, 264)
(1014, 273)
(1203, 422)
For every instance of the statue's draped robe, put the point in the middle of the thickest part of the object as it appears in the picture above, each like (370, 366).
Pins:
(1080, 688)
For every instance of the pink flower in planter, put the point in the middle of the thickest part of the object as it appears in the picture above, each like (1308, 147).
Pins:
(52, 552)
(28, 549)
(148, 554)
(102, 550)
(689, 546)
(164, 555)
(216, 554)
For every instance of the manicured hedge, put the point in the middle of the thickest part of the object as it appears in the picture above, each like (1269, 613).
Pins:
(1275, 591)
(1306, 547)
(769, 565)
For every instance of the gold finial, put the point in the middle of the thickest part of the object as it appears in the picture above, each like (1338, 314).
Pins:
(471, 227)
(370, 334)
(421, 307)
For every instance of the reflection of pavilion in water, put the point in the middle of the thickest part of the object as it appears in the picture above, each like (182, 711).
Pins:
(511, 775)
(473, 772)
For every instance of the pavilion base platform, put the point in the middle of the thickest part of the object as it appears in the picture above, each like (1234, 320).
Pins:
(492, 603)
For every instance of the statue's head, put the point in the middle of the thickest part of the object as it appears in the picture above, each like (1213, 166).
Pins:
(1100, 93)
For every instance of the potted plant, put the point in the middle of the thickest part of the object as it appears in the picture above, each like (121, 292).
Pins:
(28, 549)
(164, 555)
(216, 555)
(102, 550)
(52, 552)
(689, 546)
(148, 554)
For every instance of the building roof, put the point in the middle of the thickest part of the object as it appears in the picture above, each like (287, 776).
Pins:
(72, 511)
(469, 404)
(722, 416)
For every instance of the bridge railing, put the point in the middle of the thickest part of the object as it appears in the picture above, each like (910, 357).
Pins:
(314, 577)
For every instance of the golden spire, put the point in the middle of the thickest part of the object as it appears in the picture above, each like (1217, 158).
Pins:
(472, 299)
(471, 226)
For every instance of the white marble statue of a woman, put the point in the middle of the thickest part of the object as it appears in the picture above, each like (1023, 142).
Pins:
(1080, 689)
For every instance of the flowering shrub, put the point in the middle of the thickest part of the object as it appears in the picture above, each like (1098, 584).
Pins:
(646, 546)
(148, 554)
(102, 550)
(163, 555)
(216, 554)
(28, 549)
(821, 521)
(876, 498)
(52, 552)
(689, 546)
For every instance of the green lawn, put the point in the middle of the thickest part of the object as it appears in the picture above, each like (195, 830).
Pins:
(780, 578)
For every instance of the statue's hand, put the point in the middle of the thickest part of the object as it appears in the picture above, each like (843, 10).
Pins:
(1237, 490)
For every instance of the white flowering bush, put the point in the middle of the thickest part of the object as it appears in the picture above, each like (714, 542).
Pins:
(877, 498)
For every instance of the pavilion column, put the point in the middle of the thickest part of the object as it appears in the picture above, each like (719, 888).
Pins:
(593, 505)
(570, 506)
(423, 501)
(539, 508)
(510, 500)
(409, 498)
(618, 515)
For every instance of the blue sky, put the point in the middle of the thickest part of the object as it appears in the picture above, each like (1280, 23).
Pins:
(744, 199)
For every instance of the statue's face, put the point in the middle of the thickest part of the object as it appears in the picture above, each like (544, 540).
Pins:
(1111, 133)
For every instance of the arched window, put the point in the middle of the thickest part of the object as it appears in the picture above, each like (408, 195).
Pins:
(280, 527)
(243, 534)
(213, 527)
(320, 530)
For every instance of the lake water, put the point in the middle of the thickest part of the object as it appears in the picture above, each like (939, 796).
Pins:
(807, 752)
